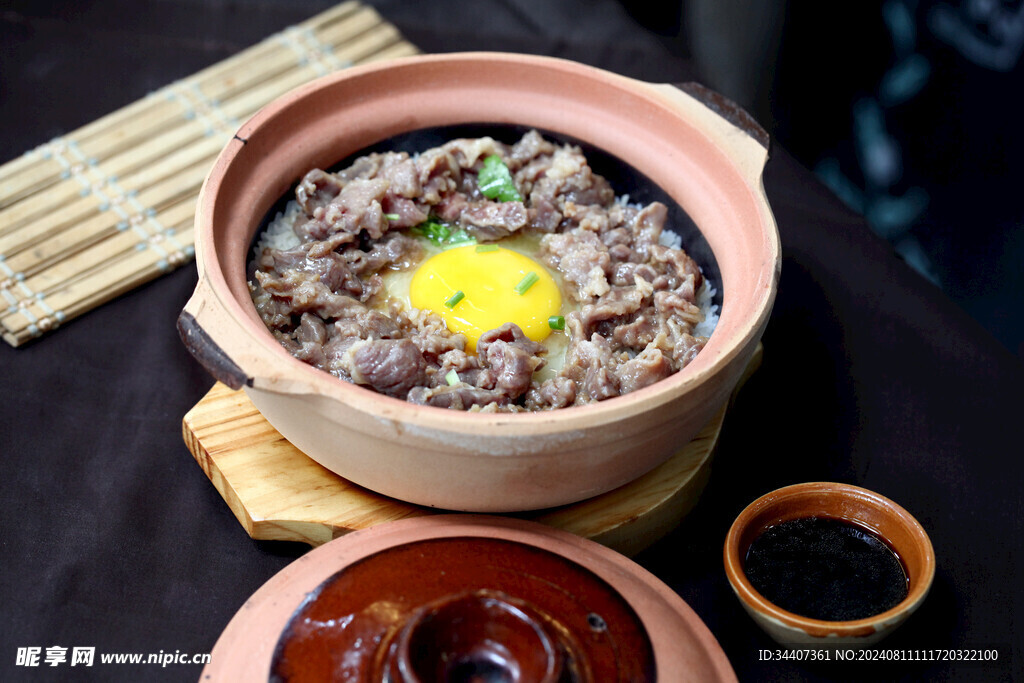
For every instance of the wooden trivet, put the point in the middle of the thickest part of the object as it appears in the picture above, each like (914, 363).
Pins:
(278, 493)
(103, 209)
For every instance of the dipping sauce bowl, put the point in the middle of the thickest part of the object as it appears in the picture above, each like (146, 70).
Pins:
(850, 504)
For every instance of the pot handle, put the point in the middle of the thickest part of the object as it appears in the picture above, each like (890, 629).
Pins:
(727, 109)
(202, 345)
(731, 126)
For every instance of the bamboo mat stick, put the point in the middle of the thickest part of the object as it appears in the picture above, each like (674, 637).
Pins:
(275, 55)
(136, 169)
(166, 228)
(109, 206)
(205, 117)
(111, 203)
(96, 141)
(400, 49)
(57, 267)
(25, 174)
(120, 273)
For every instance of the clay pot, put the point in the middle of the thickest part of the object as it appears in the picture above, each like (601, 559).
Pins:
(447, 597)
(853, 504)
(703, 152)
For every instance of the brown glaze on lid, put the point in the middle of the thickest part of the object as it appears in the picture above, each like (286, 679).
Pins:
(447, 609)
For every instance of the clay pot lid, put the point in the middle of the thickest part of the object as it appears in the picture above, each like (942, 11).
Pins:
(667, 630)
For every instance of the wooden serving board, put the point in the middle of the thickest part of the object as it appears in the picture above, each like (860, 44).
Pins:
(278, 493)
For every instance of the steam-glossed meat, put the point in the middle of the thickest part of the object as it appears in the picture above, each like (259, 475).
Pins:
(634, 300)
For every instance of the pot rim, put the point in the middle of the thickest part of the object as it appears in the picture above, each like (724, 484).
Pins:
(292, 376)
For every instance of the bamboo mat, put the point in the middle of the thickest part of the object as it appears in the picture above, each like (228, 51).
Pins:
(108, 207)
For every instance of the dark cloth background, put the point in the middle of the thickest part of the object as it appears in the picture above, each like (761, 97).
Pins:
(944, 80)
(111, 536)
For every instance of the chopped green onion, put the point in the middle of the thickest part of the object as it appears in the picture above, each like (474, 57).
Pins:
(556, 322)
(529, 280)
(392, 216)
(452, 378)
(459, 238)
(495, 181)
(481, 248)
(455, 299)
(443, 234)
(433, 230)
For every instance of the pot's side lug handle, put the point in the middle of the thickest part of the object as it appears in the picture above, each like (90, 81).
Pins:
(209, 355)
(727, 109)
(204, 306)
(726, 124)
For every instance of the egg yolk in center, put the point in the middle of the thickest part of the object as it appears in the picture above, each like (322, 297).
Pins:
(478, 288)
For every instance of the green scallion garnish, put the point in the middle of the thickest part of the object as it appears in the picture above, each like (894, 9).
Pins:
(455, 299)
(459, 238)
(495, 181)
(443, 234)
(556, 322)
(392, 216)
(434, 231)
(481, 248)
(452, 378)
(529, 280)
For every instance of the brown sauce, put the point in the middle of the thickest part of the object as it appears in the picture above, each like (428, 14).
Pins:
(826, 569)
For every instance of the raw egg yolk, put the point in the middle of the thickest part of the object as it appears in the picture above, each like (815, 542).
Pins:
(478, 288)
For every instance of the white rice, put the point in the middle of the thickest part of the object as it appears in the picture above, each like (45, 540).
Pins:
(705, 295)
(280, 233)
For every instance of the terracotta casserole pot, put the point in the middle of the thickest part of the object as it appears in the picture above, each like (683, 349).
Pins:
(702, 151)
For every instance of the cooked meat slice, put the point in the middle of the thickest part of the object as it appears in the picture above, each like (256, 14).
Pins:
(557, 392)
(391, 366)
(317, 189)
(509, 333)
(489, 221)
(458, 397)
(648, 367)
(396, 251)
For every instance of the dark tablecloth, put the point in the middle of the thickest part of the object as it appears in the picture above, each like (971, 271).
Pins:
(112, 537)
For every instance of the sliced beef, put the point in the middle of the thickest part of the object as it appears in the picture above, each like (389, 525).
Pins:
(439, 175)
(311, 329)
(648, 367)
(397, 251)
(510, 333)
(470, 152)
(317, 189)
(457, 397)
(489, 221)
(557, 392)
(634, 299)
(582, 260)
(354, 210)
(647, 226)
(617, 304)
(391, 366)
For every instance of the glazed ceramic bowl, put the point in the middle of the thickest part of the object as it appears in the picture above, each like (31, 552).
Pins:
(859, 506)
(702, 151)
